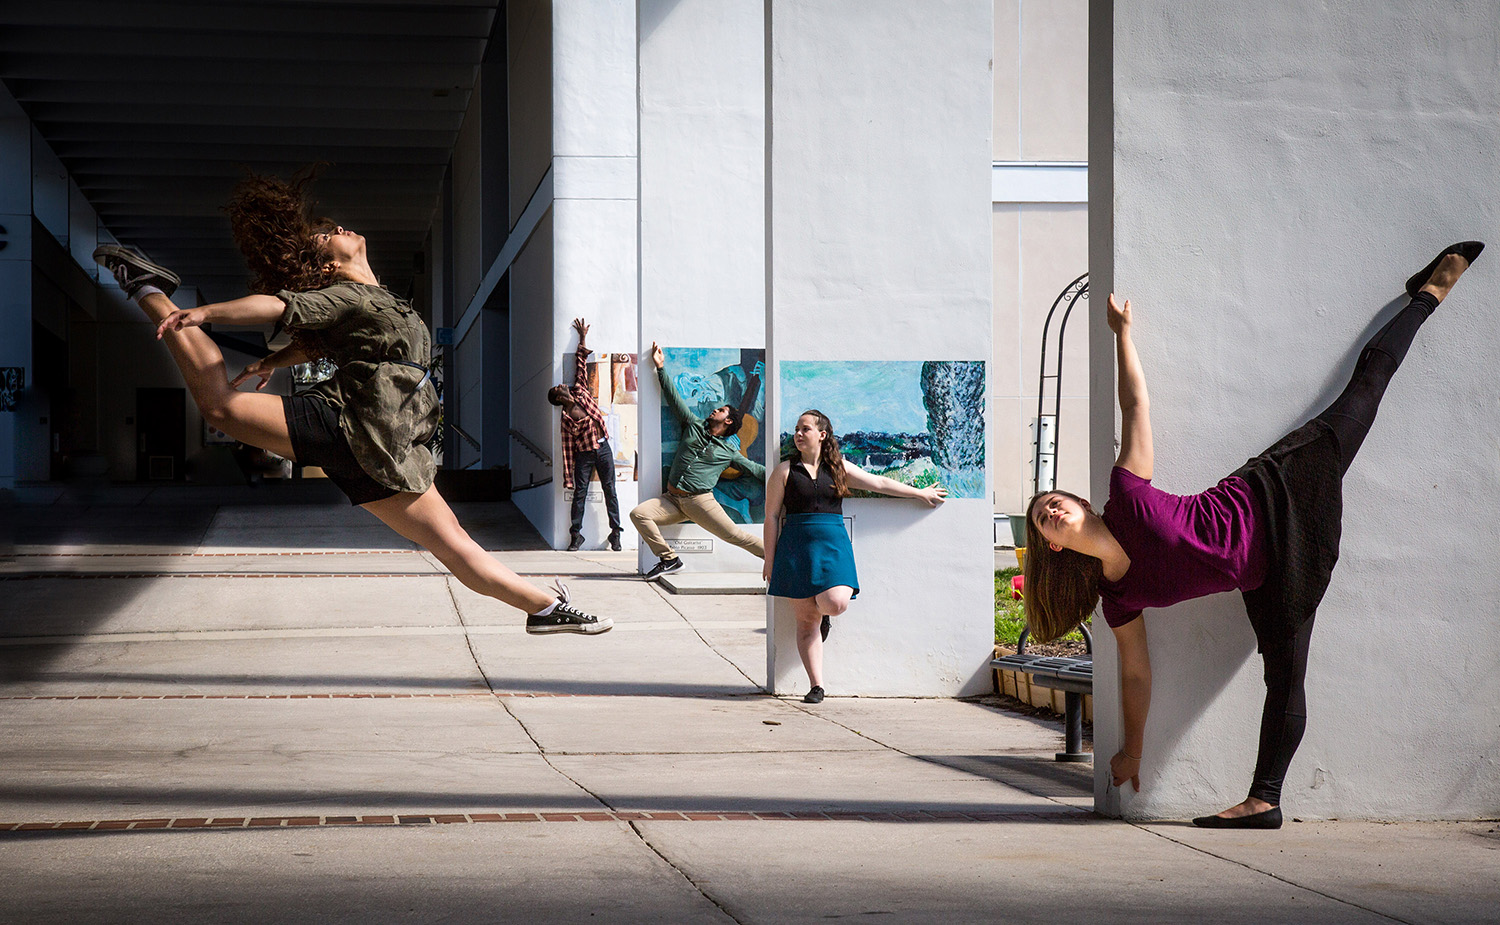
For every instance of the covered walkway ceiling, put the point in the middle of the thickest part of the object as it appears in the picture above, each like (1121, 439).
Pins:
(156, 106)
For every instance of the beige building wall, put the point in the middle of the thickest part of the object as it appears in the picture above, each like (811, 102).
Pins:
(1040, 224)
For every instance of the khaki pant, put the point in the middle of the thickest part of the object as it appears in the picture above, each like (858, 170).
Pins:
(703, 510)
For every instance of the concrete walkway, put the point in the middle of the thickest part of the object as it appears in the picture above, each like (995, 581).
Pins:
(236, 712)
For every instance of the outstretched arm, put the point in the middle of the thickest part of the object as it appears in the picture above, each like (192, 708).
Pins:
(581, 372)
(749, 466)
(859, 478)
(290, 355)
(1135, 701)
(1136, 454)
(251, 309)
(669, 391)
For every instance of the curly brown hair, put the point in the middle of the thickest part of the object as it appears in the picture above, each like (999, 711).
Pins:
(1062, 586)
(270, 220)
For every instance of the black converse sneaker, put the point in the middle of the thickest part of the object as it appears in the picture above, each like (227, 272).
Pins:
(565, 618)
(133, 270)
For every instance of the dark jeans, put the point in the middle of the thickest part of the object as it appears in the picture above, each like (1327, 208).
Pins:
(1284, 718)
(603, 459)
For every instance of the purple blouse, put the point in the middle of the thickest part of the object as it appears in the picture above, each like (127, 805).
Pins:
(1180, 546)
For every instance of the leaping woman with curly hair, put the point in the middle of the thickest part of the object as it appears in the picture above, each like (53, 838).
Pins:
(1270, 530)
(367, 426)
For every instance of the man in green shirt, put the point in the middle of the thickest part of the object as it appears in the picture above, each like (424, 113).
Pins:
(703, 454)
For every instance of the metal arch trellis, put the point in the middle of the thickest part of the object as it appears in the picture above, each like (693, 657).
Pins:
(1071, 294)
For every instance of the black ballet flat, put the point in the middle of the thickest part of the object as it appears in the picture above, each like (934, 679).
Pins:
(1469, 250)
(824, 627)
(1270, 819)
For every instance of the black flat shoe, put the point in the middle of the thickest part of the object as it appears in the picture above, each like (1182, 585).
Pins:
(1270, 819)
(1469, 250)
(824, 627)
(815, 695)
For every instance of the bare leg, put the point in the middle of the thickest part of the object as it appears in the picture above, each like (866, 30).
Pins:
(809, 640)
(834, 601)
(249, 417)
(427, 520)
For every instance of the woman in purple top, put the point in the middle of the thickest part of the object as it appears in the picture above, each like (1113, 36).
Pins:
(1270, 531)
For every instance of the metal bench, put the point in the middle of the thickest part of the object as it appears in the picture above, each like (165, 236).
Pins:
(1073, 676)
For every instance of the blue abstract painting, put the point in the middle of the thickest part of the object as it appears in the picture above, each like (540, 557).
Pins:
(707, 378)
(920, 423)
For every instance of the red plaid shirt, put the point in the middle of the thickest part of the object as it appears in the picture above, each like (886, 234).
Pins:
(581, 435)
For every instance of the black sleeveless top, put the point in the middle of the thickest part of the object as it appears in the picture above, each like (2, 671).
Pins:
(804, 495)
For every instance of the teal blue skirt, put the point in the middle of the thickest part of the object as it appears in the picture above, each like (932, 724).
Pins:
(813, 554)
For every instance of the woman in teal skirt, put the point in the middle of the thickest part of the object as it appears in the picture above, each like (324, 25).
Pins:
(808, 555)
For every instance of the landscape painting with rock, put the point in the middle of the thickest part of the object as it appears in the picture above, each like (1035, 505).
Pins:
(920, 423)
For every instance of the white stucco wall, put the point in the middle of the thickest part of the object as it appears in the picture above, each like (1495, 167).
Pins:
(879, 249)
(1277, 170)
(592, 226)
(531, 370)
(702, 222)
(528, 35)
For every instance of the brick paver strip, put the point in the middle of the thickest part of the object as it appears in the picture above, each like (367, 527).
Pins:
(198, 822)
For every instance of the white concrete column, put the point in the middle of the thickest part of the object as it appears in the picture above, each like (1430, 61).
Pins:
(575, 207)
(1274, 173)
(878, 123)
(702, 229)
(593, 212)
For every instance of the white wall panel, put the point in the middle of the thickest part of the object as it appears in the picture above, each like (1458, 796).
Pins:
(1277, 170)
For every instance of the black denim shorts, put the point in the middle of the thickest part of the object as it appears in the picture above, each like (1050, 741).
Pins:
(318, 440)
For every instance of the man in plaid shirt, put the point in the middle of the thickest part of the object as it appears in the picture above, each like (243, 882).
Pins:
(585, 445)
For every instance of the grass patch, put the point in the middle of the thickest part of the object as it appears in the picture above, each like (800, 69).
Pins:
(1010, 615)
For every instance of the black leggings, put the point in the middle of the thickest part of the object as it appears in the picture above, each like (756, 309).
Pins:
(1284, 718)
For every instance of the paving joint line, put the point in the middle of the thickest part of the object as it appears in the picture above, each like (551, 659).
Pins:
(541, 751)
(922, 758)
(1274, 876)
(640, 834)
(656, 586)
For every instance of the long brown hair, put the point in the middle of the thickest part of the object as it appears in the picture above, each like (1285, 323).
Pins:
(270, 219)
(1062, 587)
(829, 455)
